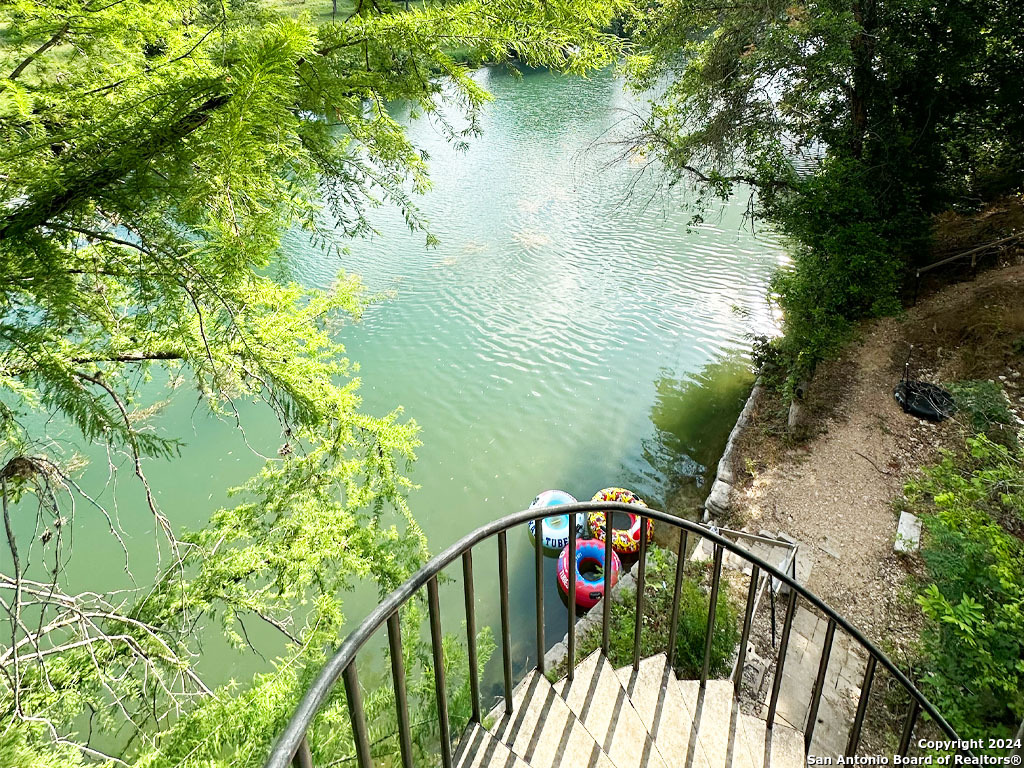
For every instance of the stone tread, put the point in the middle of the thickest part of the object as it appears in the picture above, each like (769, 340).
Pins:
(646, 718)
(695, 730)
(545, 733)
(479, 749)
(601, 703)
(661, 704)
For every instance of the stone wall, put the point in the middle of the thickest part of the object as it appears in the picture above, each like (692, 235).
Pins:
(717, 503)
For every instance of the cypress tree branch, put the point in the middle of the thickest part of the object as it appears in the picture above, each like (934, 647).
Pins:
(41, 211)
(38, 52)
(138, 357)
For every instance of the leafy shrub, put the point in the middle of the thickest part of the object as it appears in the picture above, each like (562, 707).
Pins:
(973, 640)
(693, 611)
(693, 616)
(847, 249)
(986, 406)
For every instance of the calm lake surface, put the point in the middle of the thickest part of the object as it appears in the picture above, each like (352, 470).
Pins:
(565, 334)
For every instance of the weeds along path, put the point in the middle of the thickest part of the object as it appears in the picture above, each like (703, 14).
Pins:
(835, 491)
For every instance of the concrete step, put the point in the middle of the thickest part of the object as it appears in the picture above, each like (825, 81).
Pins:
(782, 747)
(646, 718)
(479, 749)
(544, 732)
(841, 689)
(787, 747)
(716, 717)
(695, 729)
(657, 697)
(600, 702)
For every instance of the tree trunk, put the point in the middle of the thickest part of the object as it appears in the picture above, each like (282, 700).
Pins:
(796, 408)
(863, 48)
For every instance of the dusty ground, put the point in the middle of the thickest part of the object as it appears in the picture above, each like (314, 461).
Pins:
(834, 492)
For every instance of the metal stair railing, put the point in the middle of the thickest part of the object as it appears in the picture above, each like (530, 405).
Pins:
(291, 745)
(789, 566)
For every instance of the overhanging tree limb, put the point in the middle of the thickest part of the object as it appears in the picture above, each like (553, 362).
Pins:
(57, 36)
(79, 188)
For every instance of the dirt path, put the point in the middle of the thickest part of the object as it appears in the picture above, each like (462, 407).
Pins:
(835, 492)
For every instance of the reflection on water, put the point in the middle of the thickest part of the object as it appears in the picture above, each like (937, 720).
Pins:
(692, 418)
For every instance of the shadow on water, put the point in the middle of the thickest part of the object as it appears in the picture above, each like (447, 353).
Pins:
(692, 418)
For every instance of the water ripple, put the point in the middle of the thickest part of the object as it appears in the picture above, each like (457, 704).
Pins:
(532, 343)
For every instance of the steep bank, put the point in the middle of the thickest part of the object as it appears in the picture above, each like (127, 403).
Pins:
(835, 490)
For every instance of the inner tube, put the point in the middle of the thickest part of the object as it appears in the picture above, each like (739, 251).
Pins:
(624, 541)
(589, 586)
(924, 400)
(554, 531)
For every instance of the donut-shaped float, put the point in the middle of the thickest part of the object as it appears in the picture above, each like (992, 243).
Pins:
(624, 541)
(589, 583)
(554, 530)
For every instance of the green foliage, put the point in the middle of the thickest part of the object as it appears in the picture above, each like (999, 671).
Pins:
(845, 265)
(849, 121)
(693, 611)
(757, 93)
(151, 155)
(956, 97)
(692, 626)
(16, 749)
(986, 406)
(973, 601)
(236, 727)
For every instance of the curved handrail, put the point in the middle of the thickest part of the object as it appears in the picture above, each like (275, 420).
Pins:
(288, 742)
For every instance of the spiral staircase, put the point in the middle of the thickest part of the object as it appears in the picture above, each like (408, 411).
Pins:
(597, 716)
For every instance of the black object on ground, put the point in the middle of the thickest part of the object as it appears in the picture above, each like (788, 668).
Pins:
(924, 400)
(921, 398)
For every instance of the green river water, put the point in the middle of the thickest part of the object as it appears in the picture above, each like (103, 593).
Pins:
(565, 334)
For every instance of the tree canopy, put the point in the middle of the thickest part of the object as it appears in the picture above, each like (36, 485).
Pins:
(153, 152)
(851, 120)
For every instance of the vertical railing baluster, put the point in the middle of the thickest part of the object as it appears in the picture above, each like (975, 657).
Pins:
(470, 594)
(538, 583)
(862, 707)
(640, 578)
(356, 716)
(570, 577)
(606, 600)
(908, 727)
(819, 684)
(303, 756)
(401, 696)
(680, 572)
(781, 662)
(438, 653)
(716, 579)
(506, 640)
(748, 617)
(298, 730)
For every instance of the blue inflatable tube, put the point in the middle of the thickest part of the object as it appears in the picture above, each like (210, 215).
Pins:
(589, 585)
(554, 531)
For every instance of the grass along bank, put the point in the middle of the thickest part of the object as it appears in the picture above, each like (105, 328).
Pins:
(692, 623)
